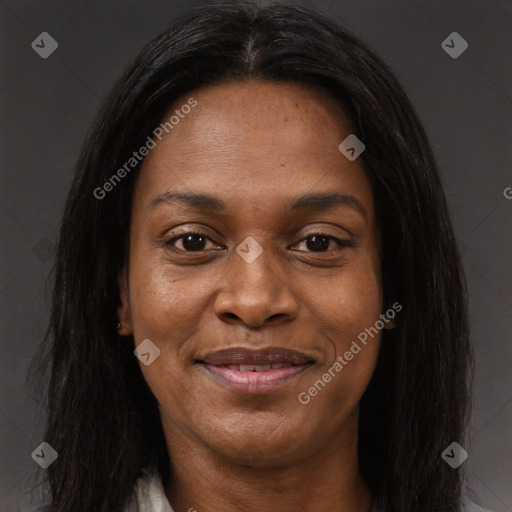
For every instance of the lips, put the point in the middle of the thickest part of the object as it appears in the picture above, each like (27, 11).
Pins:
(263, 356)
(255, 367)
(255, 371)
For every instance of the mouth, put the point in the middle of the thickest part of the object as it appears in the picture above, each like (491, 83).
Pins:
(255, 371)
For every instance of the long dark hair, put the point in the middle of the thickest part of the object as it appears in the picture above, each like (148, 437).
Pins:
(103, 420)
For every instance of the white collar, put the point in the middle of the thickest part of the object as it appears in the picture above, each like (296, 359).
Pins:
(150, 492)
(151, 495)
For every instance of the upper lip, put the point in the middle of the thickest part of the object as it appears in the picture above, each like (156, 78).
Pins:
(242, 355)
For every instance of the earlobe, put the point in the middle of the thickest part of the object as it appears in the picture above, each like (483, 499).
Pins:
(124, 327)
(389, 324)
(390, 315)
(392, 310)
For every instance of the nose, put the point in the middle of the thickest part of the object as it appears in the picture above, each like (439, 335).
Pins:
(255, 292)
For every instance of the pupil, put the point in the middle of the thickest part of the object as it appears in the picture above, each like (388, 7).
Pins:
(194, 242)
(317, 243)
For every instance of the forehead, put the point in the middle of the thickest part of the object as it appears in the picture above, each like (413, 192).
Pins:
(260, 141)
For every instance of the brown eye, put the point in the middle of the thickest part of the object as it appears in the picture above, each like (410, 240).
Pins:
(190, 242)
(321, 242)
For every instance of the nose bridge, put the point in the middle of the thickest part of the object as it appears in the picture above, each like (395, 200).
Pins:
(255, 268)
(255, 286)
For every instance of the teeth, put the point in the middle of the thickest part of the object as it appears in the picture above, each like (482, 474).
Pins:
(255, 367)
(261, 367)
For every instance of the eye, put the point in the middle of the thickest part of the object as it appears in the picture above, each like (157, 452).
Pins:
(197, 241)
(191, 241)
(323, 242)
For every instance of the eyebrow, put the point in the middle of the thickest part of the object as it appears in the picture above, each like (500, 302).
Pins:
(316, 202)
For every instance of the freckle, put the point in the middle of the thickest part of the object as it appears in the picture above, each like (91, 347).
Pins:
(283, 165)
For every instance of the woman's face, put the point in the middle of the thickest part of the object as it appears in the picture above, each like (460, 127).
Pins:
(256, 306)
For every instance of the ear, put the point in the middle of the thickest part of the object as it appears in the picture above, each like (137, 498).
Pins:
(389, 324)
(123, 310)
(390, 314)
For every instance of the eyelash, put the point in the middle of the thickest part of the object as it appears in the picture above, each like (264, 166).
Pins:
(341, 243)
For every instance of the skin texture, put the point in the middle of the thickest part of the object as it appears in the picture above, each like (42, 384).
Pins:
(256, 146)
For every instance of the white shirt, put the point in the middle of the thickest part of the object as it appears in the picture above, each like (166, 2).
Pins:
(151, 497)
(150, 493)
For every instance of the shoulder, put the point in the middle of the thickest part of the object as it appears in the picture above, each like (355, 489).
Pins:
(469, 506)
(148, 494)
(149, 491)
(466, 505)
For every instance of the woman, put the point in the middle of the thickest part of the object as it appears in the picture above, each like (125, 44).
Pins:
(258, 302)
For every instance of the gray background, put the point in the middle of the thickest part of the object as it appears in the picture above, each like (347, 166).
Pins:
(465, 104)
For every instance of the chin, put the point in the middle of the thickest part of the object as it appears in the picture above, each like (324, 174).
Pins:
(261, 458)
(258, 446)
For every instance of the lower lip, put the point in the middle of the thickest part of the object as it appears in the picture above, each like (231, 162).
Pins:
(255, 382)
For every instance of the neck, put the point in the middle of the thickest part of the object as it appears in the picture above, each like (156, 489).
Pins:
(329, 479)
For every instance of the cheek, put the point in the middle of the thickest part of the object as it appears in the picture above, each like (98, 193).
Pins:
(346, 314)
(163, 304)
(166, 309)
(350, 302)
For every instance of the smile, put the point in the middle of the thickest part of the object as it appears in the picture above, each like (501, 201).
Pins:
(249, 371)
